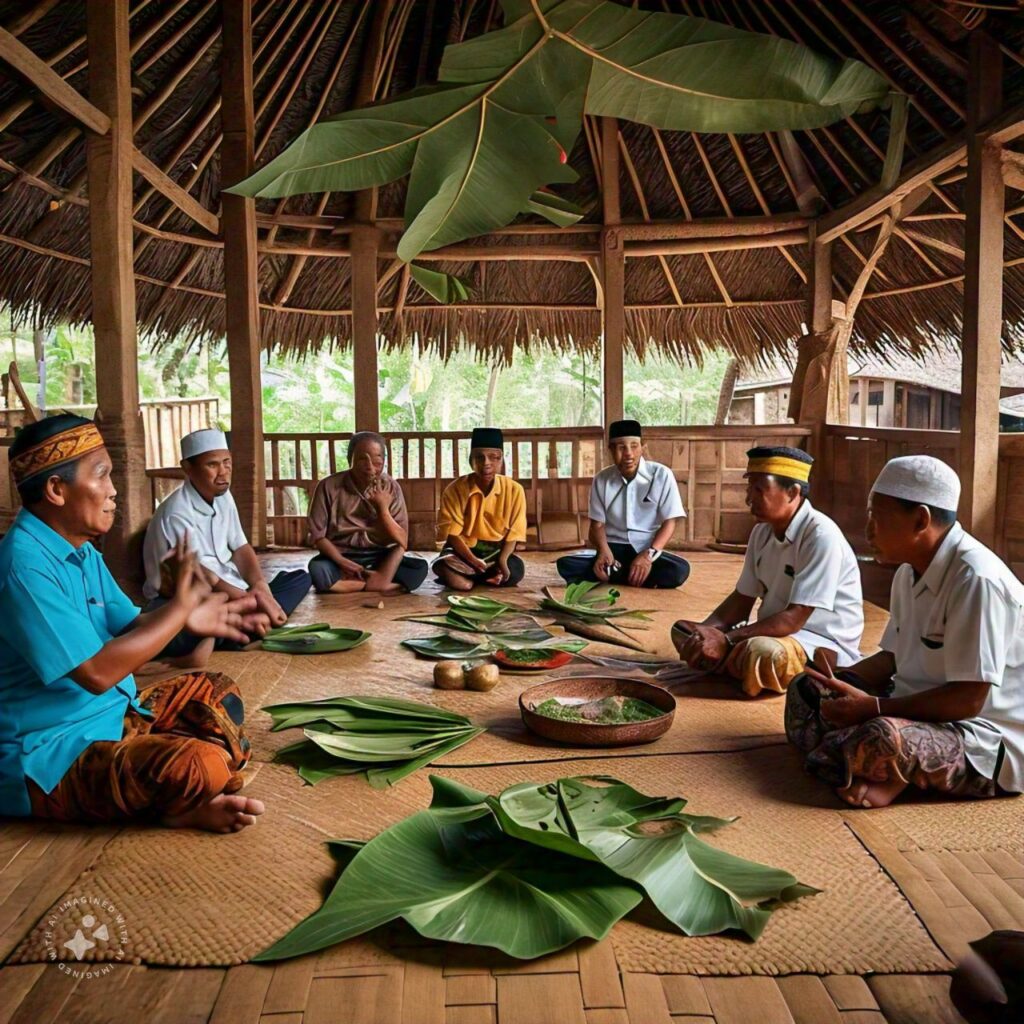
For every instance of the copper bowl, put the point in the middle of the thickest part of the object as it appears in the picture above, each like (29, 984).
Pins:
(592, 734)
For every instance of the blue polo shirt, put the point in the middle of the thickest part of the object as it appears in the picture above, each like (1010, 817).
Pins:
(58, 607)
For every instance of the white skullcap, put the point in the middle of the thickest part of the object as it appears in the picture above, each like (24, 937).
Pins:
(921, 479)
(201, 441)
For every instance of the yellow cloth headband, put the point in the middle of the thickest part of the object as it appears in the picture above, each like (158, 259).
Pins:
(779, 465)
(67, 446)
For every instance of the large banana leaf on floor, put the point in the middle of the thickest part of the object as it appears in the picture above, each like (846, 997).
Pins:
(699, 888)
(538, 867)
(481, 146)
(386, 738)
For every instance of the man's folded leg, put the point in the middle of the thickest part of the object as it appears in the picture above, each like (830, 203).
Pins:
(289, 588)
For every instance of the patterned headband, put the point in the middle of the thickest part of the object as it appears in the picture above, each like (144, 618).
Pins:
(67, 446)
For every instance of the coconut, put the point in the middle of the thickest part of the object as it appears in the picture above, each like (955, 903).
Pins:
(483, 676)
(448, 676)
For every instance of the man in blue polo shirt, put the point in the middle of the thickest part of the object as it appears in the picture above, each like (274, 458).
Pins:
(75, 742)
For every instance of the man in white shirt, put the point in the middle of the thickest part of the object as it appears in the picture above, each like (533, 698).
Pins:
(203, 511)
(941, 706)
(634, 505)
(803, 571)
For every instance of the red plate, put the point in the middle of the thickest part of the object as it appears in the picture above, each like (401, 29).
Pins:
(556, 660)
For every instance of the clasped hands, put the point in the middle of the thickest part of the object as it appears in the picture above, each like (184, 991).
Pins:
(842, 703)
(701, 647)
(606, 563)
(209, 613)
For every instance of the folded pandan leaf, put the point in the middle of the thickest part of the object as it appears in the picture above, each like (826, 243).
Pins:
(539, 866)
(481, 146)
(318, 639)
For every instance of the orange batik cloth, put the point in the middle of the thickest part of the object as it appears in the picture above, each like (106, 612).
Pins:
(191, 750)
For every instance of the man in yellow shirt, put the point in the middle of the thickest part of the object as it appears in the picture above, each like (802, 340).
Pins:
(482, 518)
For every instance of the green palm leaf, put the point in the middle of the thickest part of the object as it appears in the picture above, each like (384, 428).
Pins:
(306, 640)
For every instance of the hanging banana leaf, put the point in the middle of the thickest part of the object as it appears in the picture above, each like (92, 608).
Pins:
(701, 889)
(481, 146)
(321, 639)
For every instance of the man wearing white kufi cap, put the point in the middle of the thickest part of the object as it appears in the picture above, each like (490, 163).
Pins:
(941, 706)
(203, 509)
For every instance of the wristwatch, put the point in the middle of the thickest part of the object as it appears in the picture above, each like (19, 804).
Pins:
(653, 554)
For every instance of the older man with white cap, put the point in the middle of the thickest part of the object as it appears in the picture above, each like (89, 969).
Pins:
(941, 706)
(203, 510)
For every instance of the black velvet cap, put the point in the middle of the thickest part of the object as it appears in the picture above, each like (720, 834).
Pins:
(624, 428)
(487, 437)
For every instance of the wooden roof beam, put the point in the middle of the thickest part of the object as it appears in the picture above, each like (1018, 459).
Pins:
(21, 59)
(924, 170)
(169, 188)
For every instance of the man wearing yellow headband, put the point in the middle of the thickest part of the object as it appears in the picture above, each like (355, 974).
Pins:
(804, 573)
(77, 740)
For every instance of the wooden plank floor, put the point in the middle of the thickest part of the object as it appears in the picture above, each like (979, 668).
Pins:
(959, 897)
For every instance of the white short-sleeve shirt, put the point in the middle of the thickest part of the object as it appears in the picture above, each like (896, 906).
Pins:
(963, 621)
(215, 534)
(813, 565)
(633, 510)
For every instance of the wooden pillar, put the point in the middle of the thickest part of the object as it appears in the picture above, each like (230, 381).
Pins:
(109, 167)
(364, 242)
(613, 271)
(241, 281)
(817, 340)
(983, 296)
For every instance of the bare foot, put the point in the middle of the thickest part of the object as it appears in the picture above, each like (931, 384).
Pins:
(347, 587)
(223, 813)
(861, 793)
(455, 581)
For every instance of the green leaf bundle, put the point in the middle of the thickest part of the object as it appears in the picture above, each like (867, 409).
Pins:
(445, 646)
(317, 638)
(481, 146)
(538, 867)
(385, 737)
(472, 613)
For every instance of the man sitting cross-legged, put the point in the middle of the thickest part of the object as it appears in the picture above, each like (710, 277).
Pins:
(203, 508)
(77, 742)
(941, 706)
(359, 524)
(481, 519)
(803, 570)
(634, 506)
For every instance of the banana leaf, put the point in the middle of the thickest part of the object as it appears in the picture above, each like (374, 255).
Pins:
(279, 631)
(385, 738)
(481, 146)
(581, 600)
(306, 640)
(454, 621)
(475, 606)
(444, 646)
(700, 889)
(453, 875)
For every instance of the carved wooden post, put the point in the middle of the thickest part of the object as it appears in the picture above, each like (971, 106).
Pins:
(109, 163)
(363, 284)
(241, 281)
(983, 296)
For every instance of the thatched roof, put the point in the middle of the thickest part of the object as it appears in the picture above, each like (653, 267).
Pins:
(308, 59)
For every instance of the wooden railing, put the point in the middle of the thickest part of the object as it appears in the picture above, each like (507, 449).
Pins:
(555, 465)
(165, 422)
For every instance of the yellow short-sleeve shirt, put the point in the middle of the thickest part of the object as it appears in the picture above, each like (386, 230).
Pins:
(469, 513)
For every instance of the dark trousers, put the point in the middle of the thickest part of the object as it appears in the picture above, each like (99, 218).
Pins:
(667, 573)
(411, 571)
(483, 549)
(288, 588)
